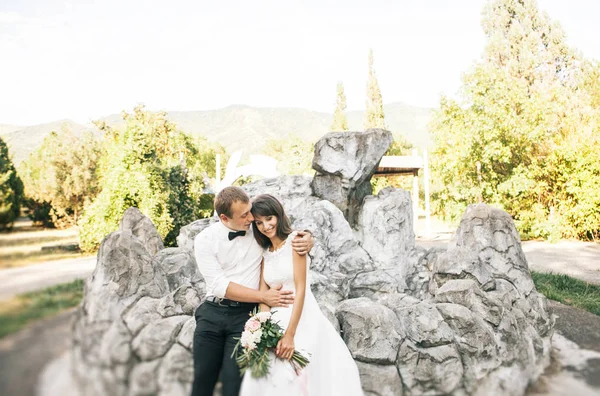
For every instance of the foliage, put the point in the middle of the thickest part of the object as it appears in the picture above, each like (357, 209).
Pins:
(152, 166)
(528, 107)
(11, 189)
(25, 308)
(340, 121)
(293, 154)
(61, 174)
(374, 115)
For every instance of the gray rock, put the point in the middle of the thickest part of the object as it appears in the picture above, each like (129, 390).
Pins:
(185, 239)
(158, 337)
(336, 253)
(424, 325)
(379, 380)
(370, 330)
(293, 192)
(345, 163)
(385, 226)
(429, 371)
(142, 313)
(492, 234)
(186, 336)
(143, 379)
(176, 374)
(143, 228)
(466, 292)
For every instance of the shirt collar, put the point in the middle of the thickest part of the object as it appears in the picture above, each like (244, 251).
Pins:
(224, 231)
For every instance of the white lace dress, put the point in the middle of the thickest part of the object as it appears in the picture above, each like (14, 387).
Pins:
(331, 370)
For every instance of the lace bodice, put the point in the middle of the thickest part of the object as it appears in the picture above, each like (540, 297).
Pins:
(279, 265)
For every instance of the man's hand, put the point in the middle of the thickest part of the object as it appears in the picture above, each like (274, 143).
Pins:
(303, 242)
(276, 297)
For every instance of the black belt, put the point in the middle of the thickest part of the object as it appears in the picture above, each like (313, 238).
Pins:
(223, 302)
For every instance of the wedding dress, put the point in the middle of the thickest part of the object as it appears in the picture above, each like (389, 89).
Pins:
(331, 370)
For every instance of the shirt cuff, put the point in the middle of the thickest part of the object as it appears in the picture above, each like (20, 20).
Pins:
(220, 288)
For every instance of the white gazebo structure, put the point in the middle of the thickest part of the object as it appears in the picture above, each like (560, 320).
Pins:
(410, 165)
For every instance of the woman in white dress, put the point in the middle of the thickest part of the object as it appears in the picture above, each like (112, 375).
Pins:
(331, 370)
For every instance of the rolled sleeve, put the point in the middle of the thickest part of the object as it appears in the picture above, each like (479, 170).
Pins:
(206, 258)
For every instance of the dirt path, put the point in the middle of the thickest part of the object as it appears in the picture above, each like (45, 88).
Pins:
(23, 279)
(23, 355)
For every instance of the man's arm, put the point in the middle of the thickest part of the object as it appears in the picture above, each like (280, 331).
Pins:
(303, 242)
(219, 285)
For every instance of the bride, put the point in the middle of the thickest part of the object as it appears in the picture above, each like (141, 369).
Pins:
(331, 370)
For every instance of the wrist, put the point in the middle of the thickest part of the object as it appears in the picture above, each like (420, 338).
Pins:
(290, 333)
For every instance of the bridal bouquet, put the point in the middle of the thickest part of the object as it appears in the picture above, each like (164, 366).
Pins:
(260, 335)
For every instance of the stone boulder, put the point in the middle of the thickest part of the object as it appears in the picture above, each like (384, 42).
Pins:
(143, 228)
(345, 163)
(132, 332)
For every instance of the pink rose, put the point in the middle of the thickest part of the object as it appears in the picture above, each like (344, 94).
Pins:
(252, 325)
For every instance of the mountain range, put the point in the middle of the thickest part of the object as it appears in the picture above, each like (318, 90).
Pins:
(239, 127)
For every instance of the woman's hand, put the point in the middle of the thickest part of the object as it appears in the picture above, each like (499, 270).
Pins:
(285, 347)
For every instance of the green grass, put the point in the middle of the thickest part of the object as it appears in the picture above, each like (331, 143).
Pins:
(569, 291)
(25, 308)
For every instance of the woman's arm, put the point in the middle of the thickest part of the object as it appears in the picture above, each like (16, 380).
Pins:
(285, 347)
(262, 307)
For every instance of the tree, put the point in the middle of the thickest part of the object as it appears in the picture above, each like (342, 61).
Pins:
(294, 155)
(524, 109)
(374, 115)
(150, 165)
(340, 122)
(62, 175)
(11, 189)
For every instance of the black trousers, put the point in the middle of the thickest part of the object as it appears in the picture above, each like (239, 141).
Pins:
(216, 326)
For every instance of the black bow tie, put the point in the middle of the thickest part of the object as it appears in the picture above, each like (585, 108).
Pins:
(233, 235)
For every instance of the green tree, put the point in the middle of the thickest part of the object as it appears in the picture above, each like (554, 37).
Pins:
(340, 121)
(11, 189)
(522, 111)
(294, 155)
(374, 115)
(62, 175)
(150, 165)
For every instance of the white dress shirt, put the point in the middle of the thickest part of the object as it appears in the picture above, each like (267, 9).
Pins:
(222, 261)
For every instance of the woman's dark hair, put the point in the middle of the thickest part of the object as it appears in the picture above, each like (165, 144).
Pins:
(268, 205)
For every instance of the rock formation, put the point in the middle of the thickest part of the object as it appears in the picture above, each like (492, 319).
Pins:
(466, 321)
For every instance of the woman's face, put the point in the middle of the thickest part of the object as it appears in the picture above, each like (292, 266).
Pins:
(267, 225)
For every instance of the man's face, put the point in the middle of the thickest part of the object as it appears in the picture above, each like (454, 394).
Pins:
(241, 218)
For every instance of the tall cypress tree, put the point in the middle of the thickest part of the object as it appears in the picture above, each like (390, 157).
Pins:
(374, 116)
(11, 189)
(340, 121)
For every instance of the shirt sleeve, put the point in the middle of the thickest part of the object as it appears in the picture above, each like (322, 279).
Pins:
(206, 259)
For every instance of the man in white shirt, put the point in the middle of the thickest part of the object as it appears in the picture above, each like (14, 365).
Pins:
(229, 259)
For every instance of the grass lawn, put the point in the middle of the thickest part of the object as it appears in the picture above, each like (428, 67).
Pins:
(569, 291)
(24, 308)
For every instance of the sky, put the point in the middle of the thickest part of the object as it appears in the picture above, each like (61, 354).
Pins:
(83, 59)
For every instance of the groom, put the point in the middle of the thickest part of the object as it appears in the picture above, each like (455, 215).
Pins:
(229, 259)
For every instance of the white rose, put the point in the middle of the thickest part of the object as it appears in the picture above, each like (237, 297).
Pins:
(263, 316)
